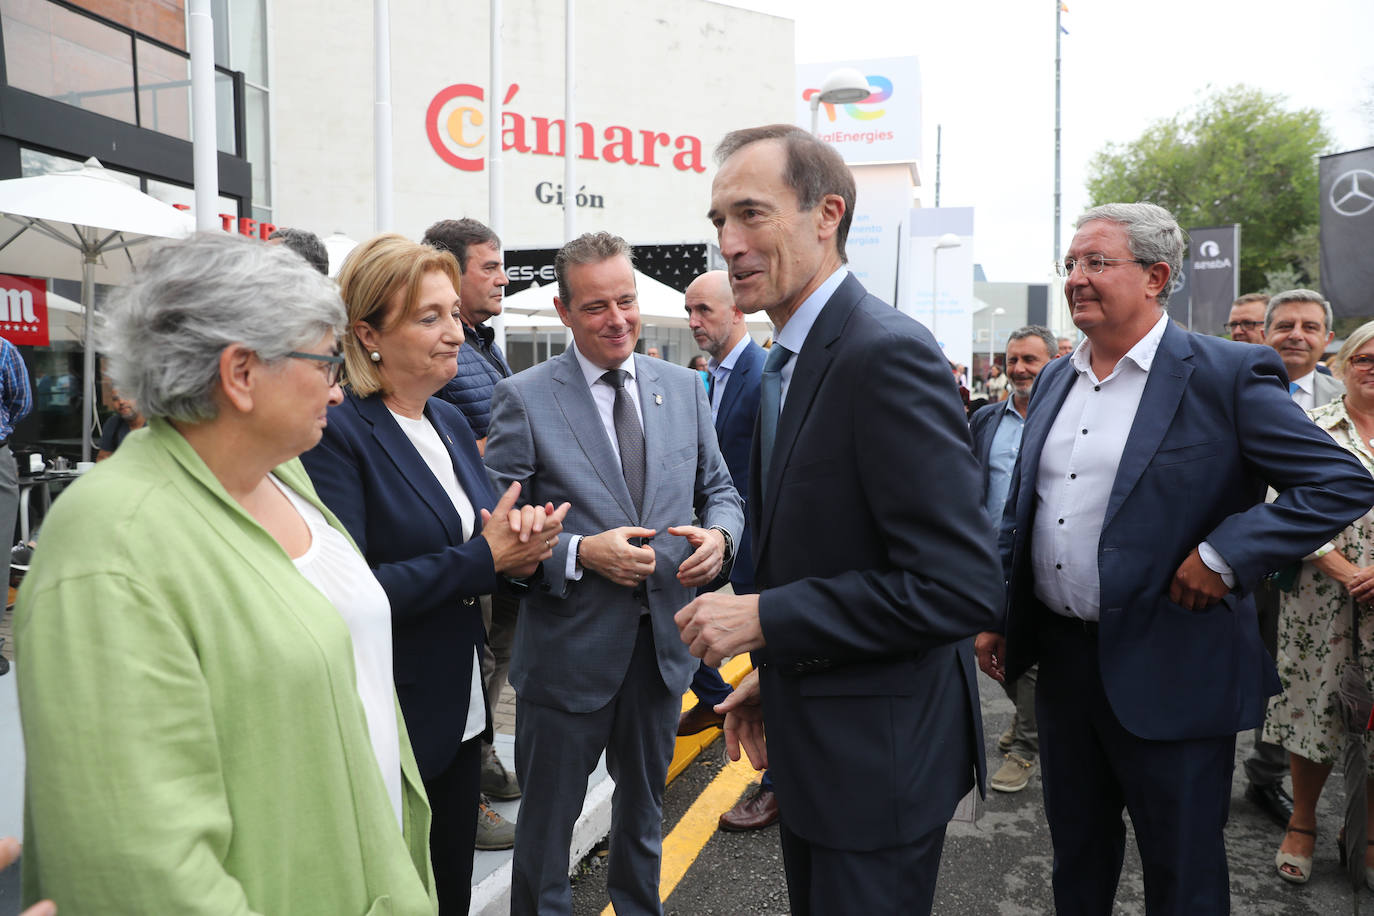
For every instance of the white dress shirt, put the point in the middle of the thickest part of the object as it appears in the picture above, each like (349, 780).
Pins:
(720, 371)
(1305, 396)
(1078, 465)
(603, 393)
(794, 333)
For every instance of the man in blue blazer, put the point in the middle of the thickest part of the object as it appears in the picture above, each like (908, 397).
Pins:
(627, 440)
(873, 559)
(735, 368)
(1134, 533)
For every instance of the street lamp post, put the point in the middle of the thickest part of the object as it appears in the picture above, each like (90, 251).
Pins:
(992, 332)
(948, 240)
(841, 87)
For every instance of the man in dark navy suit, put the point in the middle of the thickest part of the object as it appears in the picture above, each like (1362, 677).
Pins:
(1134, 533)
(868, 596)
(734, 370)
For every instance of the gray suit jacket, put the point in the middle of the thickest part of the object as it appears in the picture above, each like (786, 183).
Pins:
(1325, 389)
(574, 638)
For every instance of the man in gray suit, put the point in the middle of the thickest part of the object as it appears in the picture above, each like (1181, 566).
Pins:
(1297, 324)
(598, 665)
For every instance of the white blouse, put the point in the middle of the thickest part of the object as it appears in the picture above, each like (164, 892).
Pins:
(333, 566)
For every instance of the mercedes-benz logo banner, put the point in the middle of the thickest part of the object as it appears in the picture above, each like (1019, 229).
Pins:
(1347, 202)
(1213, 275)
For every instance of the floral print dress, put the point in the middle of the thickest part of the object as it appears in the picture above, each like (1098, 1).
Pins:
(1315, 644)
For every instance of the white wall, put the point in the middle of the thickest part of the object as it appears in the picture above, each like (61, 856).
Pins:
(680, 67)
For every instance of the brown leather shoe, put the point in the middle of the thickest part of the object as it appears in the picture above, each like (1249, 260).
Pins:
(756, 810)
(697, 719)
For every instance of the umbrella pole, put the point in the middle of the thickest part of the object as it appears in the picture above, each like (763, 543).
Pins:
(88, 357)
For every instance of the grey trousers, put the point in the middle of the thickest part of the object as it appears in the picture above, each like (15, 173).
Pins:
(9, 502)
(1025, 736)
(555, 752)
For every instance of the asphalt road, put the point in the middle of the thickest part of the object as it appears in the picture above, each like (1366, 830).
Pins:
(999, 865)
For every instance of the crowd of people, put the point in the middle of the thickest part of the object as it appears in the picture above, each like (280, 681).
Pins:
(260, 646)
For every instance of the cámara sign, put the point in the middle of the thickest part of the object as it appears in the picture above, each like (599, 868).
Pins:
(456, 127)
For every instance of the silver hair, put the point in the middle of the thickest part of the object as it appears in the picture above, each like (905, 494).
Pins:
(165, 330)
(1296, 295)
(1035, 330)
(1151, 232)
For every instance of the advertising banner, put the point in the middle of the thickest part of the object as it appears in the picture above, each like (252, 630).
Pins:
(940, 280)
(885, 127)
(1213, 281)
(24, 311)
(1347, 226)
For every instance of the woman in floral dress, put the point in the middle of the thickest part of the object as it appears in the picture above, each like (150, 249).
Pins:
(1316, 642)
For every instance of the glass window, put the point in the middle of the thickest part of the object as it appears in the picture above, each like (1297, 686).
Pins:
(164, 91)
(175, 194)
(63, 55)
(32, 162)
(248, 39)
(256, 139)
(224, 114)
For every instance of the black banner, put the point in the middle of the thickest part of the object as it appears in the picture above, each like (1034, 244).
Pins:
(1347, 240)
(1213, 276)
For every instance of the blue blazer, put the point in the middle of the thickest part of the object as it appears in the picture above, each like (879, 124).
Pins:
(368, 473)
(739, 408)
(1214, 427)
(876, 566)
(982, 426)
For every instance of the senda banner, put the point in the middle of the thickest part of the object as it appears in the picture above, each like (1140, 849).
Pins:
(885, 127)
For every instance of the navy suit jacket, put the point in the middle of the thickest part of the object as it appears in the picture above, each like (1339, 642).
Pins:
(739, 408)
(982, 426)
(876, 565)
(370, 475)
(1214, 427)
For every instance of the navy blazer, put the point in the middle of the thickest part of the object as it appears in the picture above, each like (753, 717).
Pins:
(982, 426)
(739, 408)
(1214, 427)
(876, 566)
(370, 475)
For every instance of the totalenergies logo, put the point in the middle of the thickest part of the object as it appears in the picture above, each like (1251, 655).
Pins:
(860, 110)
(457, 127)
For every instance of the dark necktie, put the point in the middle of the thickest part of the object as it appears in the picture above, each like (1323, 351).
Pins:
(630, 436)
(770, 404)
(710, 388)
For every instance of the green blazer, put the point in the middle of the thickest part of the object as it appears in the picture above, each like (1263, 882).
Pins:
(195, 740)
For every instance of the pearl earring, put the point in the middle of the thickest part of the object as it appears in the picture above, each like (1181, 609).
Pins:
(376, 356)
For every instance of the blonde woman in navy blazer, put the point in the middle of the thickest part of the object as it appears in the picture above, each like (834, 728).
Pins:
(401, 347)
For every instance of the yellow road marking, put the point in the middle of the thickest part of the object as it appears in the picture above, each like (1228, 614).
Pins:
(699, 824)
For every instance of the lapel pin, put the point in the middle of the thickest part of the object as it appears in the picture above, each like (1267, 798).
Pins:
(658, 400)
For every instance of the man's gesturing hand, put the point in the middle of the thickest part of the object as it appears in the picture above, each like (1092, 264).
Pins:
(611, 554)
(716, 627)
(709, 554)
(744, 722)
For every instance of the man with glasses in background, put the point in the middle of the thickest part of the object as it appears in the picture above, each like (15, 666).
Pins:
(1140, 529)
(1246, 324)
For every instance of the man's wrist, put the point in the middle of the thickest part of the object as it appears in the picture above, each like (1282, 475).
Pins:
(729, 551)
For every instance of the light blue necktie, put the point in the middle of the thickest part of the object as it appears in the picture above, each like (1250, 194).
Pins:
(770, 404)
(1293, 388)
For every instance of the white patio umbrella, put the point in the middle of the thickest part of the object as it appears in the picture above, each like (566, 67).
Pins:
(92, 213)
(660, 305)
(338, 246)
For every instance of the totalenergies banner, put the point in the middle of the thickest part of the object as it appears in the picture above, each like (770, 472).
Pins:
(885, 127)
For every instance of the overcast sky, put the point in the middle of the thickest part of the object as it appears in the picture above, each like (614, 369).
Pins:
(987, 71)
